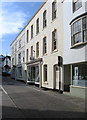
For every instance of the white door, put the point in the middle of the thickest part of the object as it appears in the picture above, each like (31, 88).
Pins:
(57, 77)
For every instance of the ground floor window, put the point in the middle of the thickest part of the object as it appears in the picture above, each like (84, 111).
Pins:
(79, 74)
(19, 71)
(45, 73)
(33, 73)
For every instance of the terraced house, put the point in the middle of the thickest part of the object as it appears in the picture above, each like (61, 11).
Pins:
(54, 48)
(43, 43)
(75, 47)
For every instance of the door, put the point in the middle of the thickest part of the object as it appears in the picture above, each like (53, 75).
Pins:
(56, 77)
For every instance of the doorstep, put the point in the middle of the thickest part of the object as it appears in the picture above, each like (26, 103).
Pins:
(66, 93)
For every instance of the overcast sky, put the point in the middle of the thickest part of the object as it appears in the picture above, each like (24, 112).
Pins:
(13, 18)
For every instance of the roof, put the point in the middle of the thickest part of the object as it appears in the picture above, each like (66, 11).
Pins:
(30, 20)
(9, 57)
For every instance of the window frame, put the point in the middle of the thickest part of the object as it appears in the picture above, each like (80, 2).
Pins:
(31, 51)
(81, 31)
(53, 32)
(54, 4)
(78, 3)
(45, 72)
(37, 26)
(37, 49)
(32, 31)
(45, 45)
(44, 18)
(27, 36)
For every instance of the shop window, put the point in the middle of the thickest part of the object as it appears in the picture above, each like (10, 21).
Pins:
(79, 73)
(20, 71)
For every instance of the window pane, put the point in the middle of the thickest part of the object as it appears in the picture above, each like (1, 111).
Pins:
(45, 72)
(79, 75)
(54, 38)
(85, 35)
(85, 23)
(76, 5)
(77, 38)
(44, 46)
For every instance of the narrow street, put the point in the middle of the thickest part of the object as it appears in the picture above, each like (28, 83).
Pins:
(27, 101)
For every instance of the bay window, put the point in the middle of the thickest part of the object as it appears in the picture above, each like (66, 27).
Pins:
(79, 31)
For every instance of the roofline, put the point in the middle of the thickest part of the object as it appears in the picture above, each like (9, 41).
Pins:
(29, 21)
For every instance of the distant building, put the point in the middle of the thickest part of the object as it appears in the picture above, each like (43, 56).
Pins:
(5, 64)
(1, 63)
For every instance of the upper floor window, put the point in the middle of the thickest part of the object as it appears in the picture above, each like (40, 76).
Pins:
(27, 54)
(31, 31)
(12, 49)
(27, 35)
(19, 43)
(76, 5)
(44, 19)
(19, 58)
(37, 26)
(31, 51)
(37, 49)
(54, 40)
(79, 31)
(54, 9)
(15, 60)
(44, 45)
(12, 61)
(15, 46)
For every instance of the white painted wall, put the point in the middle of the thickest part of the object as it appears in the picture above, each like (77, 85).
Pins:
(76, 54)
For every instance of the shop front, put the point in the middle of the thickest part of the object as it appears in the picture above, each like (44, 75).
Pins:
(34, 72)
(75, 79)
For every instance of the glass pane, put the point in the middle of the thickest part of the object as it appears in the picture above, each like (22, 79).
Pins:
(79, 75)
(77, 38)
(85, 35)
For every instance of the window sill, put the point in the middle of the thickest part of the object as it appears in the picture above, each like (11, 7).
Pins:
(44, 28)
(56, 50)
(45, 83)
(78, 44)
(45, 54)
(53, 20)
(37, 33)
(77, 86)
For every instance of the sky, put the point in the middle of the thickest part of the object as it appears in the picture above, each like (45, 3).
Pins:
(13, 17)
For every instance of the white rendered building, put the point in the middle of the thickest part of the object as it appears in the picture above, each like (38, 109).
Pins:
(75, 46)
(43, 44)
(18, 57)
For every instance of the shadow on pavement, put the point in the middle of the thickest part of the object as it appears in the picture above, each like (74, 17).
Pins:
(14, 113)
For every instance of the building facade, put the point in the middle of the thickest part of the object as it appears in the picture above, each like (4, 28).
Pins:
(18, 57)
(75, 47)
(7, 64)
(43, 45)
